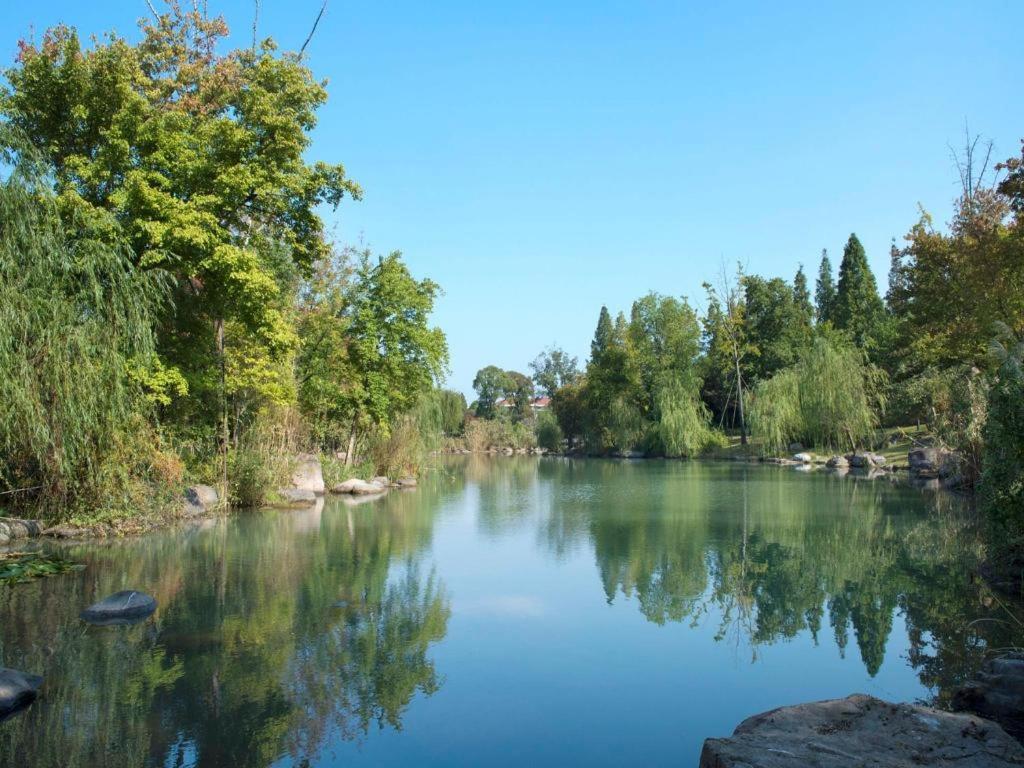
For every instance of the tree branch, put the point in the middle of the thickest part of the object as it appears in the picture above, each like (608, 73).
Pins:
(312, 32)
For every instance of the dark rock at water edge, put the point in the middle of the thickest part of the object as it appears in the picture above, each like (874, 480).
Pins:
(862, 731)
(997, 693)
(125, 607)
(17, 690)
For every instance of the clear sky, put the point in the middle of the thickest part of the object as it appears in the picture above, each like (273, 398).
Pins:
(538, 159)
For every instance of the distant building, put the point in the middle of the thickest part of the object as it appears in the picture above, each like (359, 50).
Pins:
(536, 403)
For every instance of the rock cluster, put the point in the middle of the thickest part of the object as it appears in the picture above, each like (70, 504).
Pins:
(862, 731)
(12, 528)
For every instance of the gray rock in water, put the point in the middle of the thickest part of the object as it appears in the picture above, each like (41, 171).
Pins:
(406, 482)
(803, 458)
(125, 607)
(837, 462)
(997, 693)
(17, 691)
(862, 731)
(200, 499)
(294, 497)
(359, 487)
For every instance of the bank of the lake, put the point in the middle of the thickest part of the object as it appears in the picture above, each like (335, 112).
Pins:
(510, 610)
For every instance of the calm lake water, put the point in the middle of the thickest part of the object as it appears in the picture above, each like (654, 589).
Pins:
(508, 612)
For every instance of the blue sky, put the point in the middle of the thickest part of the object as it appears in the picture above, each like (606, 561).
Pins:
(539, 159)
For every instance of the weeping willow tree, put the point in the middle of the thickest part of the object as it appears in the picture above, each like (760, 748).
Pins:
(684, 423)
(827, 399)
(75, 341)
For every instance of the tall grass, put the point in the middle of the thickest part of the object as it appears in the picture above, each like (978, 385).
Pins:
(75, 319)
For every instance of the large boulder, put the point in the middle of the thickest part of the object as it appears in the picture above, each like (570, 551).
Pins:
(16, 528)
(17, 690)
(866, 460)
(200, 499)
(308, 475)
(861, 730)
(837, 462)
(997, 693)
(126, 607)
(803, 458)
(359, 488)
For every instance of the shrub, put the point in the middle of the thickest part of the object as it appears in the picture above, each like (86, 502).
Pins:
(1002, 481)
(549, 433)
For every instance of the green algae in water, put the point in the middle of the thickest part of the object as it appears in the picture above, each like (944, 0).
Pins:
(23, 567)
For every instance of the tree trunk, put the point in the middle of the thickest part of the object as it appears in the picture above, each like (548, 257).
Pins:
(350, 453)
(739, 397)
(225, 436)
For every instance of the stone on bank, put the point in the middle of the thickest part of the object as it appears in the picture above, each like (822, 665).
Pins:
(861, 730)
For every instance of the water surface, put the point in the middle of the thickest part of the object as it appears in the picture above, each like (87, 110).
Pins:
(508, 612)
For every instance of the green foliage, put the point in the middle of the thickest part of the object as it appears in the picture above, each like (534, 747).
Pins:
(549, 433)
(553, 369)
(683, 427)
(825, 291)
(858, 307)
(23, 567)
(1002, 481)
(76, 318)
(251, 476)
(776, 327)
(491, 384)
(453, 412)
(828, 399)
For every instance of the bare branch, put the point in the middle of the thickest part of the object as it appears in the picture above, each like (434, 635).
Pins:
(312, 32)
(255, 21)
(153, 10)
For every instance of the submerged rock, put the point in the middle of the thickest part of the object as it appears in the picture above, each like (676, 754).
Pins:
(861, 730)
(294, 497)
(997, 693)
(125, 607)
(17, 690)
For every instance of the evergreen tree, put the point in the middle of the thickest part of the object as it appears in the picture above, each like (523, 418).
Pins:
(858, 307)
(603, 334)
(802, 297)
(825, 290)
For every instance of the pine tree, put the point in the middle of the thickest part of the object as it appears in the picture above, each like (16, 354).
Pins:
(858, 307)
(602, 336)
(825, 290)
(802, 296)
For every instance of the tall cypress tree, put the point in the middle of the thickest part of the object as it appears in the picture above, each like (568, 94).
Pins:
(802, 296)
(825, 290)
(602, 336)
(858, 307)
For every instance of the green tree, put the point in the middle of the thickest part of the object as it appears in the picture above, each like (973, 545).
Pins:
(554, 368)
(775, 327)
(858, 309)
(396, 355)
(491, 384)
(521, 394)
(802, 298)
(825, 291)
(1002, 480)
(195, 158)
(453, 412)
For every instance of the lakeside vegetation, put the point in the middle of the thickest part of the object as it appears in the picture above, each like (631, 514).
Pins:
(174, 310)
